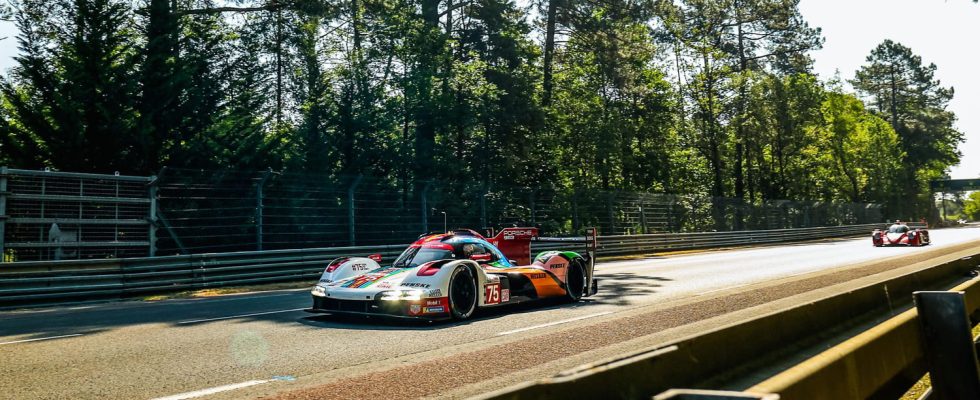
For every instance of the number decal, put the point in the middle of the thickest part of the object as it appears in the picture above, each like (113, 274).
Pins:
(492, 294)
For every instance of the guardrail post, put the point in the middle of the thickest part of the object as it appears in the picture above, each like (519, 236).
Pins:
(612, 216)
(152, 234)
(483, 207)
(948, 344)
(531, 202)
(350, 210)
(425, 206)
(259, 208)
(3, 212)
(575, 221)
(643, 220)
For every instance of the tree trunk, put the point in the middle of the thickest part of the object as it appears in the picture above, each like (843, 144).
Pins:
(425, 136)
(549, 51)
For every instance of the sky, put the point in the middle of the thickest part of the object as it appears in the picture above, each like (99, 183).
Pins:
(943, 32)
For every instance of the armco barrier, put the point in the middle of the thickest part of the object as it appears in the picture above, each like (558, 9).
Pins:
(46, 281)
(881, 363)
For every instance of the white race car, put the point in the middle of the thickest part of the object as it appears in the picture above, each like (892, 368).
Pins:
(451, 275)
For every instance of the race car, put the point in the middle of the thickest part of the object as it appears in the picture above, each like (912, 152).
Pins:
(899, 234)
(451, 275)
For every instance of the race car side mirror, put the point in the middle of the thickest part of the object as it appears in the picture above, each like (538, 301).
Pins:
(480, 257)
(375, 257)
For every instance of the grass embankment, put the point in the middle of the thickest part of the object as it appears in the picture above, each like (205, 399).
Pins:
(212, 292)
(924, 384)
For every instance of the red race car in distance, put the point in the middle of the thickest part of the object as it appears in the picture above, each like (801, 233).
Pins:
(900, 234)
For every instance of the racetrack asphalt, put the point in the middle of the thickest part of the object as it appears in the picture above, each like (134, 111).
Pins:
(262, 344)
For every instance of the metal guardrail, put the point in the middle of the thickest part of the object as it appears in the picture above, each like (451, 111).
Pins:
(45, 281)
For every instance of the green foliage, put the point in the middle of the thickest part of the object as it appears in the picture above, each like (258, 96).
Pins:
(904, 92)
(698, 97)
(971, 207)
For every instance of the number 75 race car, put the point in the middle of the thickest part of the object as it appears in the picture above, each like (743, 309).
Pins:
(451, 275)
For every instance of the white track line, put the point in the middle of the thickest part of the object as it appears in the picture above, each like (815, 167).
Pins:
(564, 321)
(210, 391)
(238, 316)
(44, 338)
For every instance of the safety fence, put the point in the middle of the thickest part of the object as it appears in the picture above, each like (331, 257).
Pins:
(808, 350)
(44, 281)
(56, 215)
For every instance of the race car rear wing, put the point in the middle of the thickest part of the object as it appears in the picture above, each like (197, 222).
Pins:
(515, 243)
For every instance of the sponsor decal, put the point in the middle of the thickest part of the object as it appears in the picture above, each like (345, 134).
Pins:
(366, 280)
(414, 309)
(359, 267)
(326, 280)
(537, 275)
(435, 293)
(433, 302)
(505, 295)
(557, 266)
(434, 310)
(416, 285)
(492, 295)
(384, 285)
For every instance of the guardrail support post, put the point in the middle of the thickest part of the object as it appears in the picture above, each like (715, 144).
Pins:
(948, 344)
(643, 220)
(425, 206)
(612, 216)
(259, 208)
(531, 202)
(575, 221)
(483, 207)
(153, 217)
(3, 211)
(350, 211)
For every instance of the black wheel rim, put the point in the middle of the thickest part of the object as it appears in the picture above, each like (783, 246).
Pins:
(462, 293)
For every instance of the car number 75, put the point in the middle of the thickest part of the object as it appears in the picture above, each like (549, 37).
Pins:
(492, 294)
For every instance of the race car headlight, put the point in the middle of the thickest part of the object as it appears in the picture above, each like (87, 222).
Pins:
(319, 291)
(395, 295)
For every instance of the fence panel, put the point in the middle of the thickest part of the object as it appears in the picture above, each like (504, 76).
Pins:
(56, 215)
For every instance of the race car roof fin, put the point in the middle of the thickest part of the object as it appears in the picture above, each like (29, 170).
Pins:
(515, 243)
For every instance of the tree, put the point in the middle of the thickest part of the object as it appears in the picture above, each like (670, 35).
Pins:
(862, 160)
(905, 92)
(74, 89)
(613, 107)
(971, 207)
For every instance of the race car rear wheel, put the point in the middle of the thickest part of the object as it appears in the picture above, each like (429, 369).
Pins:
(462, 293)
(575, 281)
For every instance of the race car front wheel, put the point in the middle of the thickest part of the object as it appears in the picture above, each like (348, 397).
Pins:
(575, 281)
(462, 293)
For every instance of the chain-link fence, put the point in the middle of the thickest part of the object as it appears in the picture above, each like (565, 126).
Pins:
(227, 211)
(195, 211)
(58, 215)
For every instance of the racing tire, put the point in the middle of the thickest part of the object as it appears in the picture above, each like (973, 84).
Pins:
(462, 293)
(575, 282)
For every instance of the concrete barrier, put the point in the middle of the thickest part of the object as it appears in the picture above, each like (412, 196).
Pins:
(736, 349)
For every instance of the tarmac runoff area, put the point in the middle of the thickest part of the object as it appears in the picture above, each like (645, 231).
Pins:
(263, 345)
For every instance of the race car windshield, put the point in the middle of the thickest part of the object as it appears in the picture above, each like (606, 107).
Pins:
(898, 229)
(415, 256)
